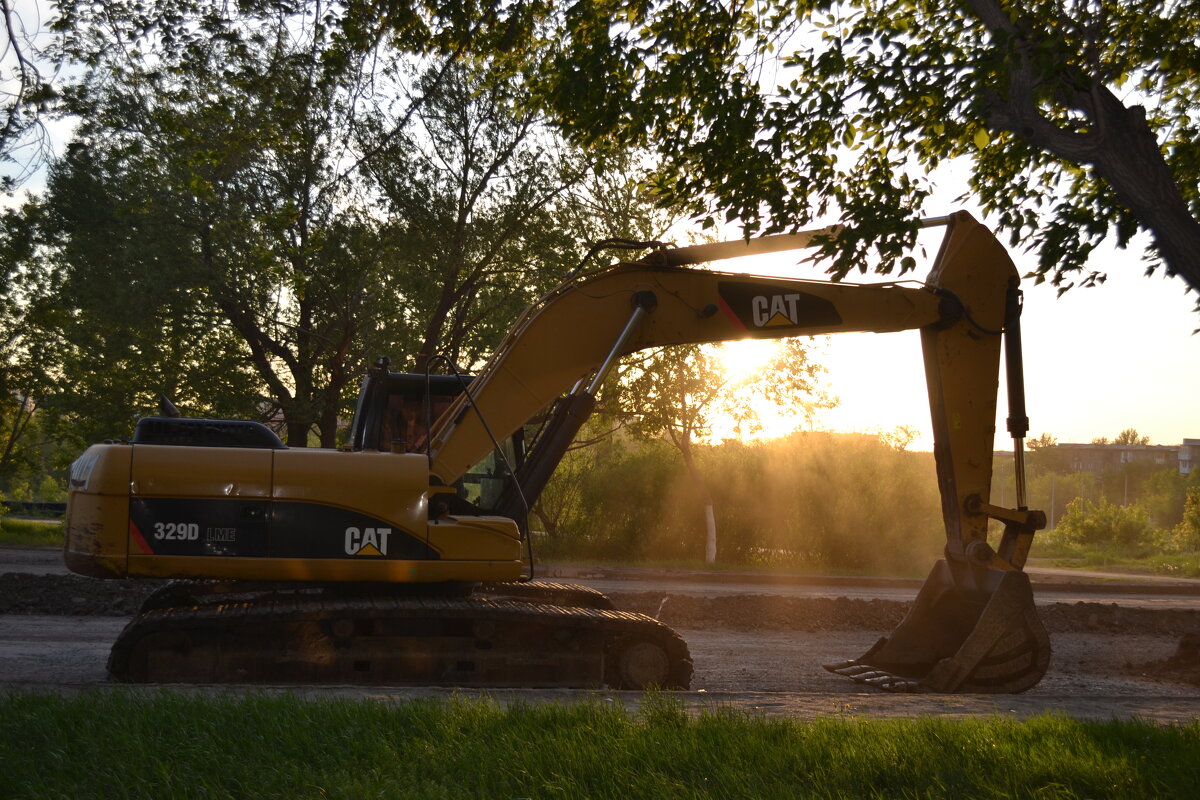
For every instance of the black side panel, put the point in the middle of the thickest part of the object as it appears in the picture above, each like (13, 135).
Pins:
(236, 527)
(191, 527)
(309, 530)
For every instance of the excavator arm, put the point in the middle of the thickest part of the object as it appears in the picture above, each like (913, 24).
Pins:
(973, 626)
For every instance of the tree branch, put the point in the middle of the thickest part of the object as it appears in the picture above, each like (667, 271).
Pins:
(1119, 145)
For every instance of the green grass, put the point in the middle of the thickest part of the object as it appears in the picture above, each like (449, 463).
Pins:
(1182, 565)
(1159, 554)
(1146, 559)
(31, 532)
(119, 745)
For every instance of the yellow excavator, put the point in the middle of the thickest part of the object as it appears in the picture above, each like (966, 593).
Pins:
(404, 558)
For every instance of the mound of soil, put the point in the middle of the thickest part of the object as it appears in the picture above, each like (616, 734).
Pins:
(1183, 666)
(71, 595)
(764, 612)
(820, 614)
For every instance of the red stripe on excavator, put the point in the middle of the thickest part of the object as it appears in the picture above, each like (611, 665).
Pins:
(732, 316)
(136, 535)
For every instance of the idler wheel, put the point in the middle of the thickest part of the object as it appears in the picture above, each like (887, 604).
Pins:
(640, 665)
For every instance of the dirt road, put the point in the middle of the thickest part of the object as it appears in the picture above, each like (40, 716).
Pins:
(755, 647)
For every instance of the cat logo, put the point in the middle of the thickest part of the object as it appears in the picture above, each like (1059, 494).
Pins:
(750, 306)
(367, 542)
(776, 310)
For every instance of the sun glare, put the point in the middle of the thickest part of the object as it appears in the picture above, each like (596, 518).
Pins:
(743, 357)
(749, 359)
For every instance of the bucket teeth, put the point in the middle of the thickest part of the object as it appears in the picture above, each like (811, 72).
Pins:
(893, 683)
(874, 677)
(852, 669)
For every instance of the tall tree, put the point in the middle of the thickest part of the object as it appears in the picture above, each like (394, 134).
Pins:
(215, 171)
(108, 317)
(472, 185)
(1131, 436)
(257, 185)
(27, 93)
(1044, 455)
(1079, 119)
(23, 362)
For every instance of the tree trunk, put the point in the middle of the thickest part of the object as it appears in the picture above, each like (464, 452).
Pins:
(710, 541)
(297, 433)
(22, 414)
(549, 524)
(328, 428)
(1121, 147)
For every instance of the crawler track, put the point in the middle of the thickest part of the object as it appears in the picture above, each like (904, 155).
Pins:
(215, 634)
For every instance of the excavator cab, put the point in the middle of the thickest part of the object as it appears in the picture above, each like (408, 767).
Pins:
(394, 413)
(395, 409)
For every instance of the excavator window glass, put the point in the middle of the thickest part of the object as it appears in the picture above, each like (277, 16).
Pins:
(391, 412)
(485, 483)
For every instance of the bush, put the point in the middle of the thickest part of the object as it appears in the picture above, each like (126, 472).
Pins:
(18, 491)
(807, 501)
(51, 491)
(827, 501)
(1105, 523)
(1187, 532)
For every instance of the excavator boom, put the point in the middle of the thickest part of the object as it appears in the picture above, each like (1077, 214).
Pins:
(537, 362)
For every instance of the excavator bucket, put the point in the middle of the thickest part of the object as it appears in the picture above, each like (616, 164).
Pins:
(970, 629)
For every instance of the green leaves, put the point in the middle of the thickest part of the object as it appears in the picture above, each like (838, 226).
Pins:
(868, 97)
(262, 198)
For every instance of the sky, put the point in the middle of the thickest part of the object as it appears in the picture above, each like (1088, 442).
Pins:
(1097, 361)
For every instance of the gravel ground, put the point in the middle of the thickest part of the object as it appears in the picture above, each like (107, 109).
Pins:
(756, 651)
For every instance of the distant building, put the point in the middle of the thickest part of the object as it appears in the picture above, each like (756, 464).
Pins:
(1100, 458)
(1189, 455)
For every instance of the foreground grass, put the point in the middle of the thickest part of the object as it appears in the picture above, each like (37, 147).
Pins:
(112, 744)
(31, 532)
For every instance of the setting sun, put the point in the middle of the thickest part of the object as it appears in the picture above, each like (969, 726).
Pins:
(742, 357)
(746, 362)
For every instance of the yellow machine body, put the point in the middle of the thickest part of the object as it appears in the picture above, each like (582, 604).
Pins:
(276, 515)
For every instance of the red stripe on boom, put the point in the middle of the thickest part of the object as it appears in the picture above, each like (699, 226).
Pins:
(732, 316)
